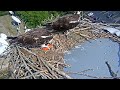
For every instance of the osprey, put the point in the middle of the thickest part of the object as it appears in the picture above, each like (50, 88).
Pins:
(66, 22)
(33, 38)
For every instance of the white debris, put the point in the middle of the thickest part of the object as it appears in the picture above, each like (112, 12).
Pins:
(3, 36)
(16, 19)
(11, 12)
(118, 33)
(90, 14)
(2, 48)
(67, 52)
(77, 46)
(111, 30)
(27, 30)
(3, 44)
(78, 12)
(82, 48)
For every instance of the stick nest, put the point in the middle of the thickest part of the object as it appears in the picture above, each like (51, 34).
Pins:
(37, 64)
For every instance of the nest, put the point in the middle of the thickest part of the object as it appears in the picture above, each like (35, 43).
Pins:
(37, 64)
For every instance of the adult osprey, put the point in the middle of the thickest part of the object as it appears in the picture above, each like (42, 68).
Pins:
(32, 39)
(66, 22)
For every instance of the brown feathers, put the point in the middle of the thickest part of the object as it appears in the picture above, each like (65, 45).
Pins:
(33, 38)
(63, 23)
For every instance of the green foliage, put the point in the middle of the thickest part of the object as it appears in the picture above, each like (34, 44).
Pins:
(35, 18)
(3, 13)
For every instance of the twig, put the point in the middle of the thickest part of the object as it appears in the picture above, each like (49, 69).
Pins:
(34, 74)
(44, 64)
(83, 74)
(58, 71)
(48, 67)
(114, 75)
(53, 68)
(25, 63)
(84, 36)
(31, 64)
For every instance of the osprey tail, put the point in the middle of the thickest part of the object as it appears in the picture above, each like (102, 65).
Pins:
(11, 38)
